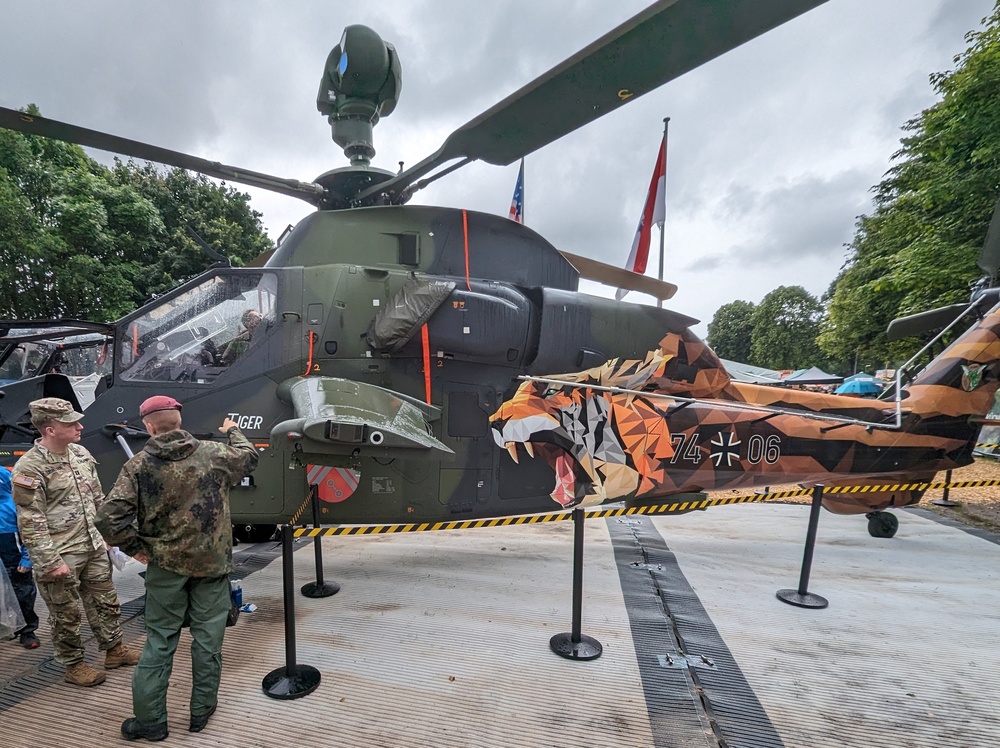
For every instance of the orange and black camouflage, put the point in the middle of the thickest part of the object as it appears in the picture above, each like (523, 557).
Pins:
(631, 430)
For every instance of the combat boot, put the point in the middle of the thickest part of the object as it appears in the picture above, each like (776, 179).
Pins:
(81, 674)
(120, 655)
(133, 729)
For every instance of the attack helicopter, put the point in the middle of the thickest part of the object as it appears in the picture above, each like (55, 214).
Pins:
(395, 358)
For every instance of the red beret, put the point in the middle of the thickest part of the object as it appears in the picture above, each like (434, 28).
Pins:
(156, 403)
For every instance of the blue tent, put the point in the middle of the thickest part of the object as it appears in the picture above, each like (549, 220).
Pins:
(861, 387)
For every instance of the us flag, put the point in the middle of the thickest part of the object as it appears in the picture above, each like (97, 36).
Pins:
(517, 202)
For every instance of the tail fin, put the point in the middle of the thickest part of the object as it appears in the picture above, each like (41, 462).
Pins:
(963, 380)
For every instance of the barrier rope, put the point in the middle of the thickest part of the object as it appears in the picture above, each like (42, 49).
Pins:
(302, 508)
(650, 510)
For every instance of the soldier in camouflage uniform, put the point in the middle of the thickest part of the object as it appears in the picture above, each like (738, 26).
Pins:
(57, 494)
(170, 509)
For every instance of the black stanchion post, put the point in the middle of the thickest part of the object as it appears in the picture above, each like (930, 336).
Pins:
(293, 680)
(574, 645)
(319, 588)
(944, 500)
(802, 597)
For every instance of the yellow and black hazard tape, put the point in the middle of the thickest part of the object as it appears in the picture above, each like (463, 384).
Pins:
(298, 512)
(651, 510)
(532, 519)
(885, 488)
(911, 486)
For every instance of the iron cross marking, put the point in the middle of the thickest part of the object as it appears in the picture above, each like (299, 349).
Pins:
(725, 447)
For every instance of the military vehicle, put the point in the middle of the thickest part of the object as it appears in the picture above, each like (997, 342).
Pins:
(377, 356)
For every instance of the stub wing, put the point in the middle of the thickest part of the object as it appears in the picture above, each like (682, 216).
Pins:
(342, 417)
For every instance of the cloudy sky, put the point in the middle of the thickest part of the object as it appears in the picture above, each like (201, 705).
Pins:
(773, 147)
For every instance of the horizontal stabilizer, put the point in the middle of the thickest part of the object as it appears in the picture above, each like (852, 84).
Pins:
(617, 277)
(917, 324)
(343, 417)
(937, 319)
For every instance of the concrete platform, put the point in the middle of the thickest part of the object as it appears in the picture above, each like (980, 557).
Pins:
(442, 639)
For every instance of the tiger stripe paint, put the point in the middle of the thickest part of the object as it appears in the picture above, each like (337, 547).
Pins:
(605, 431)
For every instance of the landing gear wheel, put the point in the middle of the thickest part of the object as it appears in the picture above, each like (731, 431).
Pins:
(882, 524)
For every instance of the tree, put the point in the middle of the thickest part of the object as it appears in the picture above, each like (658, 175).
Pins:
(729, 332)
(219, 214)
(79, 240)
(918, 249)
(784, 327)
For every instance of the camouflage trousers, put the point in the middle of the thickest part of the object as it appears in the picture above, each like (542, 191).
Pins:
(88, 585)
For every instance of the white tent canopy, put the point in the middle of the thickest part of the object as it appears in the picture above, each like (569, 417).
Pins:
(751, 374)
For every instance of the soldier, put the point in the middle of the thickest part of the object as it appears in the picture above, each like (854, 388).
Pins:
(169, 508)
(237, 346)
(57, 493)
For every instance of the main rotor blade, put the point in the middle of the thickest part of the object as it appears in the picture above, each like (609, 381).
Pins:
(31, 124)
(620, 277)
(989, 258)
(668, 39)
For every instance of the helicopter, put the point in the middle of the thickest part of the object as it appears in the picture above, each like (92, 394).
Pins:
(382, 368)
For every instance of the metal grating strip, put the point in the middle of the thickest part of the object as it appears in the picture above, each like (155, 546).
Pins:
(665, 614)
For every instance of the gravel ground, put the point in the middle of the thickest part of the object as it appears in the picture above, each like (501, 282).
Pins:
(979, 507)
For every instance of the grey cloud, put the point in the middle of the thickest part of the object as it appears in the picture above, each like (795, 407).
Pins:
(236, 81)
(812, 216)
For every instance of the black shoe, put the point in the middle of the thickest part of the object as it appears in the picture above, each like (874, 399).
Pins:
(198, 721)
(29, 641)
(133, 729)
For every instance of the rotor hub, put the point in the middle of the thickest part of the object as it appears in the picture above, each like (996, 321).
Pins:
(343, 185)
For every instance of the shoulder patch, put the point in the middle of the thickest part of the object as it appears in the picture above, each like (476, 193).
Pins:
(25, 481)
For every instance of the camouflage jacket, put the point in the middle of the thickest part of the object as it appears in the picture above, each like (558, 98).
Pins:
(57, 498)
(171, 501)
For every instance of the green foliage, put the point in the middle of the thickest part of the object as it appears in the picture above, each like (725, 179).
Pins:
(79, 240)
(729, 332)
(918, 249)
(783, 330)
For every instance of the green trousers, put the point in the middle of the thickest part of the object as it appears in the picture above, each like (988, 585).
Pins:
(168, 597)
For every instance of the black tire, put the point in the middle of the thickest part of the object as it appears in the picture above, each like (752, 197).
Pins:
(254, 533)
(882, 524)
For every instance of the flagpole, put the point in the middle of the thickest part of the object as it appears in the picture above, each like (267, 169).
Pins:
(663, 226)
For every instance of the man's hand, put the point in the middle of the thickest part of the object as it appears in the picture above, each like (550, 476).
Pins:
(142, 558)
(62, 571)
(227, 424)
(23, 569)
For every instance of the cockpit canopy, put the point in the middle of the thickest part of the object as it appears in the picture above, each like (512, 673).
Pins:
(194, 335)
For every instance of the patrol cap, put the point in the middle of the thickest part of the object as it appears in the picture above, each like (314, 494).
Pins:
(53, 409)
(157, 403)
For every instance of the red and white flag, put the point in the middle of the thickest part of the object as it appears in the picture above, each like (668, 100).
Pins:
(654, 211)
